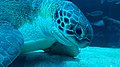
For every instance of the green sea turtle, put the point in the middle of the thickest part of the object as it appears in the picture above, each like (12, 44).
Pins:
(56, 26)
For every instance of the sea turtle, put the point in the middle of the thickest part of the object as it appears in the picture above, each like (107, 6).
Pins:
(52, 25)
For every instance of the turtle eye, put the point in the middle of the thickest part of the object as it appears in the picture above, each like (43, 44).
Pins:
(78, 30)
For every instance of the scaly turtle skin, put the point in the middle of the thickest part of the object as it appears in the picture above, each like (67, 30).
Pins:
(51, 25)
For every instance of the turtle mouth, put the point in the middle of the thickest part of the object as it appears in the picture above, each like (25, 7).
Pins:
(83, 42)
(71, 40)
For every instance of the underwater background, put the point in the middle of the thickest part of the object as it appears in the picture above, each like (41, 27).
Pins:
(104, 51)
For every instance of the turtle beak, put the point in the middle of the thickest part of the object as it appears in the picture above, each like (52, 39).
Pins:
(81, 43)
(83, 39)
(84, 42)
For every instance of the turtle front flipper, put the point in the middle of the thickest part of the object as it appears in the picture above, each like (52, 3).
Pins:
(10, 43)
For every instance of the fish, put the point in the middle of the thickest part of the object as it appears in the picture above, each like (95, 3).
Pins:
(98, 23)
(102, 23)
(95, 13)
(117, 2)
(112, 19)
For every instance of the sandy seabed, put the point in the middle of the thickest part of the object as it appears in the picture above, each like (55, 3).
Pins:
(88, 57)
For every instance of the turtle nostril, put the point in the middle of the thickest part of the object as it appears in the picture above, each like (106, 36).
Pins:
(78, 30)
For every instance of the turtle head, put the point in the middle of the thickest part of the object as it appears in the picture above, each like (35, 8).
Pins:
(71, 26)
